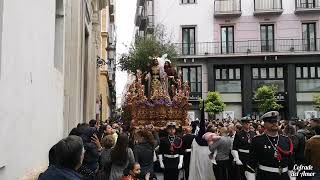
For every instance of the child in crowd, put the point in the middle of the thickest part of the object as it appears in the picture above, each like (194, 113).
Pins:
(211, 138)
(132, 172)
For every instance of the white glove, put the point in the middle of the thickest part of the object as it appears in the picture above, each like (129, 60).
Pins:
(290, 173)
(249, 175)
(235, 155)
(161, 161)
(180, 161)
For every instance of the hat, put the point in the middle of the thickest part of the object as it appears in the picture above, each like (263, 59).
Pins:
(171, 124)
(271, 116)
(246, 119)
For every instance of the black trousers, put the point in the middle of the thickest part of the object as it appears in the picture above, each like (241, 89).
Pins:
(171, 174)
(234, 173)
(242, 169)
(186, 164)
(222, 169)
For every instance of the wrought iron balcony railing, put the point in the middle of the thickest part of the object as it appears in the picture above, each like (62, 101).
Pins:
(224, 8)
(307, 6)
(262, 7)
(248, 47)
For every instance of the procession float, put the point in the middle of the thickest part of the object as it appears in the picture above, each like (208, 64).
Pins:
(157, 96)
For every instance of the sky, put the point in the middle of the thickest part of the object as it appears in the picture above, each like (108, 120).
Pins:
(125, 13)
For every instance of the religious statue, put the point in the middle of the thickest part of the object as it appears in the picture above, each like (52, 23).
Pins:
(170, 74)
(155, 77)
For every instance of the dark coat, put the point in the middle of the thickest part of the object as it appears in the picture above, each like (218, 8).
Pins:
(91, 156)
(143, 154)
(54, 173)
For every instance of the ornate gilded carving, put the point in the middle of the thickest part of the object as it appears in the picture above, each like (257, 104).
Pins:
(159, 108)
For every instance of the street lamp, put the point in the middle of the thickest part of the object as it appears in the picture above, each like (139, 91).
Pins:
(111, 52)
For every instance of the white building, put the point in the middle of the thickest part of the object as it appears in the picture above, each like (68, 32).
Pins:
(235, 46)
(47, 77)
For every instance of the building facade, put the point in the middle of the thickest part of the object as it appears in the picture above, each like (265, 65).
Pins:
(48, 77)
(108, 68)
(236, 46)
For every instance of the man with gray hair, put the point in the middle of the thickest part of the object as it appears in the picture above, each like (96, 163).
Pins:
(68, 153)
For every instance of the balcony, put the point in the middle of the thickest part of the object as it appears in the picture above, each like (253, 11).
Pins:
(307, 6)
(143, 23)
(249, 48)
(227, 8)
(267, 7)
(150, 24)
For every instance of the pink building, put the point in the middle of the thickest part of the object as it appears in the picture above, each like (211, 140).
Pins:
(236, 46)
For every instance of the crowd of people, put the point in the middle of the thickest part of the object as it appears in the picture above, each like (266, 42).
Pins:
(206, 150)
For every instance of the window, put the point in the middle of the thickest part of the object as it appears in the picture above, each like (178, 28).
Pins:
(272, 73)
(267, 38)
(307, 4)
(188, 40)
(227, 40)
(193, 74)
(278, 83)
(309, 36)
(308, 85)
(308, 72)
(218, 74)
(312, 72)
(188, 1)
(59, 33)
(279, 72)
(227, 80)
(224, 73)
(267, 73)
(308, 78)
(255, 73)
(263, 73)
(305, 72)
(298, 72)
(237, 73)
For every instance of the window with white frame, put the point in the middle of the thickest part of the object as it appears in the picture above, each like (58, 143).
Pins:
(227, 80)
(188, 40)
(268, 76)
(193, 75)
(308, 78)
